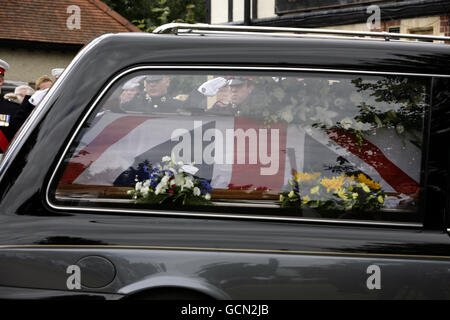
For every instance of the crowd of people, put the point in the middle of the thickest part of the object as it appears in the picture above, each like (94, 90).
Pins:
(16, 106)
(139, 95)
(150, 94)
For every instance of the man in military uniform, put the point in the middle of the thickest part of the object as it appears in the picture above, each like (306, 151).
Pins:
(131, 99)
(8, 110)
(245, 99)
(156, 87)
(155, 97)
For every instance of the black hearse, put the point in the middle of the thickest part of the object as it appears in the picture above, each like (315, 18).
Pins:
(226, 163)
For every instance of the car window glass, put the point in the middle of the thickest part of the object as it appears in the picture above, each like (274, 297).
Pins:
(302, 145)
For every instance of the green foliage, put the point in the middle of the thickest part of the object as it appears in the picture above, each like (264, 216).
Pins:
(408, 93)
(149, 14)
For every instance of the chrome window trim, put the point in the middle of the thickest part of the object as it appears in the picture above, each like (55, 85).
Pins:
(221, 215)
(204, 28)
(387, 37)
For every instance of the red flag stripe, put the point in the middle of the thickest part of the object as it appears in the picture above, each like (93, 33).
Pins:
(248, 176)
(4, 143)
(112, 133)
(373, 156)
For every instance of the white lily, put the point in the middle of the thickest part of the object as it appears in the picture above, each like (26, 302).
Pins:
(188, 183)
(165, 180)
(160, 188)
(189, 169)
(324, 116)
(138, 186)
(145, 191)
(346, 123)
(287, 116)
(362, 126)
(179, 179)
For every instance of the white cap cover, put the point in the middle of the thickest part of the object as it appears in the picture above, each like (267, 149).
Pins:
(130, 85)
(211, 87)
(38, 96)
(57, 72)
(4, 66)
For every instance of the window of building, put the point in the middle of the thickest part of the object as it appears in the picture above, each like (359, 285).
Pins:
(422, 31)
(310, 145)
(290, 6)
(394, 29)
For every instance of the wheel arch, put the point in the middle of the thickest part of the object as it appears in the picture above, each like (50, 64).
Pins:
(176, 283)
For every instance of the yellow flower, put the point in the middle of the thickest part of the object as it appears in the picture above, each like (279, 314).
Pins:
(334, 183)
(291, 194)
(350, 178)
(380, 199)
(305, 177)
(281, 198)
(370, 183)
(314, 190)
(341, 194)
(354, 195)
(316, 175)
(364, 187)
(306, 199)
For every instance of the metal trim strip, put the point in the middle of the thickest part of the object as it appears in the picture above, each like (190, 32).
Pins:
(231, 29)
(239, 250)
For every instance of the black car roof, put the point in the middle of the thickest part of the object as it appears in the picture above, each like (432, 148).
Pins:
(311, 52)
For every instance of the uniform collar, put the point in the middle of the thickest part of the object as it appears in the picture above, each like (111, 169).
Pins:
(156, 99)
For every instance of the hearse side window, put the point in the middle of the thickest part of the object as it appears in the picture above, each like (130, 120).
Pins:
(300, 145)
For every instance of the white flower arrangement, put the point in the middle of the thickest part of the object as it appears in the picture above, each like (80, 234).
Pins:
(172, 182)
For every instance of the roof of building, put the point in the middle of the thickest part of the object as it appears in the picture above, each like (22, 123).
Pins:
(53, 21)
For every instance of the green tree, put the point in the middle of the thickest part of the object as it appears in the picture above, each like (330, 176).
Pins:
(149, 14)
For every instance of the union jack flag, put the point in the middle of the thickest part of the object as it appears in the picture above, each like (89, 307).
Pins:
(116, 144)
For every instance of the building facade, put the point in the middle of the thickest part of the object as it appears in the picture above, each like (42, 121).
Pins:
(427, 17)
(38, 35)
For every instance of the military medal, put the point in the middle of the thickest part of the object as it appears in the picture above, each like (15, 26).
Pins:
(4, 120)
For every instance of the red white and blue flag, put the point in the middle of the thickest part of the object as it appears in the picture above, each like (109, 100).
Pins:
(237, 153)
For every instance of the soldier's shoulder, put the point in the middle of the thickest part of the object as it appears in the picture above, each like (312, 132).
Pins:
(8, 106)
